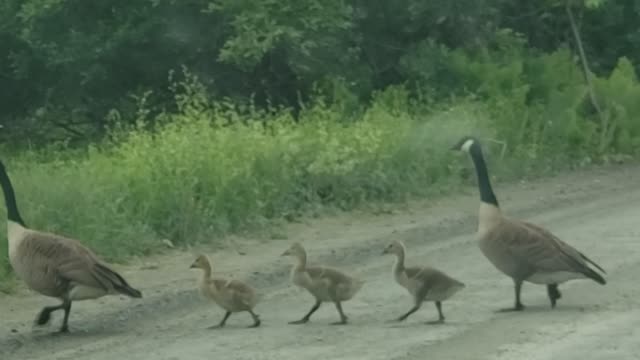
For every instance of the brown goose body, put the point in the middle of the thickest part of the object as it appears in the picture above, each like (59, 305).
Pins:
(57, 266)
(61, 267)
(522, 250)
(326, 284)
(231, 295)
(424, 283)
(528, 252)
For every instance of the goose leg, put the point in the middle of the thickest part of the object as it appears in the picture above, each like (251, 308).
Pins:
(554, 294)
(224, 320)
(343, 317)
(440, 315)
(305, 319)
(256, 319)
(66, 306)
(45, 314)
(518, 305)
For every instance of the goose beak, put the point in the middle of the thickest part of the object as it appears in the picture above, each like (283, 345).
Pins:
(454, 148)
(285, 253)
(193, 266)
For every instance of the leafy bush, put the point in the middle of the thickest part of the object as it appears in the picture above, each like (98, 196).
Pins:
(620, 92)
(213, 167)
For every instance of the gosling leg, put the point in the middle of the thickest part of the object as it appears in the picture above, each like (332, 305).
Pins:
(440, 315)
(224, 320)
(256, 319)
(305, 319)
(411, 311)
(343, 317)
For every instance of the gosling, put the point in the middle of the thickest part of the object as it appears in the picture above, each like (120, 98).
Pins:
(423, 283)
(231, 295)
(324, 283)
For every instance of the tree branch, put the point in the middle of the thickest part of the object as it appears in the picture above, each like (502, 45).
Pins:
(69, 129)
(583, 61)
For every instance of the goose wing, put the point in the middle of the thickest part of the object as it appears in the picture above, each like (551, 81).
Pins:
(70, 262)
(240, 292)
(565, 248)
(235, 286)
(333, 283)
(431, 277)
(424, 274)
(325, 273)
(543, 251)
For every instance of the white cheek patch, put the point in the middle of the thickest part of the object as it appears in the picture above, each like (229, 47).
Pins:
(467, 145)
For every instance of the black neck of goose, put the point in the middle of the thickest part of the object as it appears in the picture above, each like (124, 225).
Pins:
(484, 184)
(9, 198)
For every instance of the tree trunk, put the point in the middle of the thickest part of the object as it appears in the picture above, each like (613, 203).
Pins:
(583, 60)
(606, 129)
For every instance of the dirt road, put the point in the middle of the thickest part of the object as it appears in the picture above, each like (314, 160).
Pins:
(597, 211)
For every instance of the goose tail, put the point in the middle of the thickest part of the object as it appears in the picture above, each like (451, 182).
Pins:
(591, 274)
(595, 276)
(118, 282)
(129, 291)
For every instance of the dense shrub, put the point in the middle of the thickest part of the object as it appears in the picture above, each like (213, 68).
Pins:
(213, 167)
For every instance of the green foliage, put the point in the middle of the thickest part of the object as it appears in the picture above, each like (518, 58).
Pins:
(66, 65)
(303, 29)
(620, 93)
(590, 4)
(536, 100)
(210, 167)
(594, 3)
(214, 168)
(284, 108)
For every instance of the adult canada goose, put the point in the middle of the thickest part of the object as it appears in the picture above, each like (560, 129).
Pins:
(424, 283)
(521, 250)
(324, 283)
(56, 266)
(231, 295)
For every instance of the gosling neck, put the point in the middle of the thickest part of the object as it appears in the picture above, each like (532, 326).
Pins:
(302, 260)
(398, 265)
(206, 271)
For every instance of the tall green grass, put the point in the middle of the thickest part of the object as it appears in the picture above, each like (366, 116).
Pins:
(210, 171)
(211, 168)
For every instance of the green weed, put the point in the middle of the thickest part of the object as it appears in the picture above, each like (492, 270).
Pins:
(214, 167)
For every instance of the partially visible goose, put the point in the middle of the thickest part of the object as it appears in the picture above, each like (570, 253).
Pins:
(424, 283)
(231, 295)
(521, 250)
(324, 283)
(56, 266)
